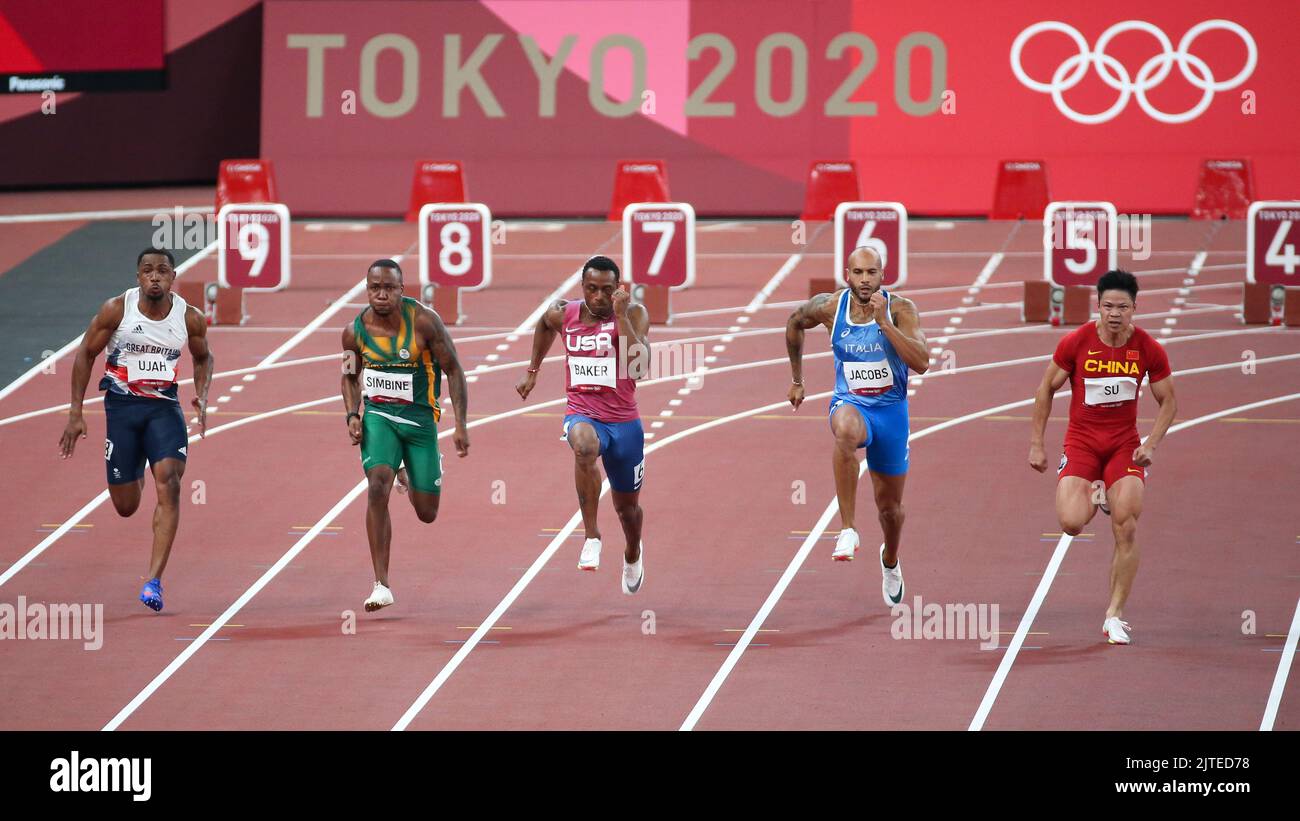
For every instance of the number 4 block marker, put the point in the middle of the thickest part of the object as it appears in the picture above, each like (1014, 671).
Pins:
(1271, 240)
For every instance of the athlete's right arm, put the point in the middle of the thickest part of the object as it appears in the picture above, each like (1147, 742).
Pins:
(92, 343)
(543, 336)
(812, 313)
(352, 383)
(1052, 382)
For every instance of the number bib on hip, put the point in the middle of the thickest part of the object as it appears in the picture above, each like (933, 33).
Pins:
(150, 369)
(389, 387)
(868, 378)
(592, 373)
(1108, 390)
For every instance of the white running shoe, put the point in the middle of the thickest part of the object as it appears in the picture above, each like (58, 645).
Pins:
(1115, 630)
(634, 573)
(891, 585)
(590, 557)
(846, 545)
(380, 598)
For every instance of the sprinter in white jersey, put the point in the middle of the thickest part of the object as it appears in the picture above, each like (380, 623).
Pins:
(144, 330)
(875, 337)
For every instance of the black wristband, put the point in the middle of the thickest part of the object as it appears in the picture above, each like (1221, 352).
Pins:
(351, 414)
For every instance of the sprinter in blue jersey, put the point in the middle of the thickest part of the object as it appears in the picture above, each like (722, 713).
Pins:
(875, 337)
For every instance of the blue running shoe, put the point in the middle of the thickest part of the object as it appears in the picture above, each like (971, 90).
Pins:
(151, 594)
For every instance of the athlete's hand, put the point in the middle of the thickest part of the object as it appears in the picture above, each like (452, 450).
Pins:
(621, 300)
(1143, 454)
(461, 438)
(201, 408)
(354, 429)
(525, 385)
(879, 308)
(75, 430)
(1038, 458)
(795, 395)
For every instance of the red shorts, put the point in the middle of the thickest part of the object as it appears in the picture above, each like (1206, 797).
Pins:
(1100, 458)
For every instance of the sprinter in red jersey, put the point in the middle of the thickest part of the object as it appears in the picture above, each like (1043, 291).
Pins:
(1105, 362)
(604, 332)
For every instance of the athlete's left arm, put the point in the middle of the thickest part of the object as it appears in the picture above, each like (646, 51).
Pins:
(1163, 391)
(903, 330)
(634, 326)
(197, 327)
(435, 336)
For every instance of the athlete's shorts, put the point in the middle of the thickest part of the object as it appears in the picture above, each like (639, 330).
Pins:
(141, 429)
(887, 433)
(1110, 460)
(622, 450)
(408, 438)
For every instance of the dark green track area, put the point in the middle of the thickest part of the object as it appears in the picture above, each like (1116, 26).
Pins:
(50, 297)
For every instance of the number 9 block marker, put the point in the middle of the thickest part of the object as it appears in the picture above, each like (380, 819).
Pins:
(253, 246)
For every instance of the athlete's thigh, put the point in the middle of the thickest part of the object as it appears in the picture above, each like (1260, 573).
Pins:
(164, 437)
(624, 459)
(124, 445)
(848, 423)
(1125, 498)
(585, 435)
(380, 444)
(888, 451)
(421, 456)
(888, 487)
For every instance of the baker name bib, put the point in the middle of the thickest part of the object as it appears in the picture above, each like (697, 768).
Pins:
(868, 378)
(592, 373)
(389, 387)
(1109, 390)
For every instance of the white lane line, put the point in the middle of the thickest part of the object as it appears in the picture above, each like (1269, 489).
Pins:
(31, 372)
(793, 568)
(1027, 621)
(989, 268)
(66, 216)
(545, 556)
(1283, 670)
(103, 495)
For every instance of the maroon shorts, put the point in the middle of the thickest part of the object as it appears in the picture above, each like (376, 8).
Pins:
(1107, 460)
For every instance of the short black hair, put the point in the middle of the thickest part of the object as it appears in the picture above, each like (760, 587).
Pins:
(171, 260)
(386, 263)
(1118, 280)
(600, 263)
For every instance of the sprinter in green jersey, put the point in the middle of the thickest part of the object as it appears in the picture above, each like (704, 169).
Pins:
(396, 354)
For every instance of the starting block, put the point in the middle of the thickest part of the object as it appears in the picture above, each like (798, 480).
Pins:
(823, 285)
(638, 181)
(881, 226)
(1224, 190)
(829, 184)
(1264, 304)
(221, 306)
(1021, 190)
(658, 253)
(1047, 302)
(455, 254)
(245, 181)
(435, 181)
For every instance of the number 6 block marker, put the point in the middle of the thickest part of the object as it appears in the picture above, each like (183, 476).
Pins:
(253, 246)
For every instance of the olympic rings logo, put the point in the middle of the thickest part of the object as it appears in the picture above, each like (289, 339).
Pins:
(1153, 72)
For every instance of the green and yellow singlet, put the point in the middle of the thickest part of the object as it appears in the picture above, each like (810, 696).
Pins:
(401, 376)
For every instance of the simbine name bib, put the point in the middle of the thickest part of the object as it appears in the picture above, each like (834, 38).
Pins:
(389, 387)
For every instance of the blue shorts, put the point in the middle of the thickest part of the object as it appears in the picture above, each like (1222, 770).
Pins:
(140, 429)
(622, 450)
(887, 432)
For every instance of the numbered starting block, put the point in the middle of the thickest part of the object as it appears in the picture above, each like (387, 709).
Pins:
(881, 226)
(455, 254)
(830, 182)
(1224, 190)
(1272, 264)
(245, 181)
(1080, 243)
(435, 181)
(638, 181)
(221, 306)
(658, 253)
(1021, 190)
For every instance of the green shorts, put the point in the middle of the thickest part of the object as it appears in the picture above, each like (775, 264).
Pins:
(408, 438)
